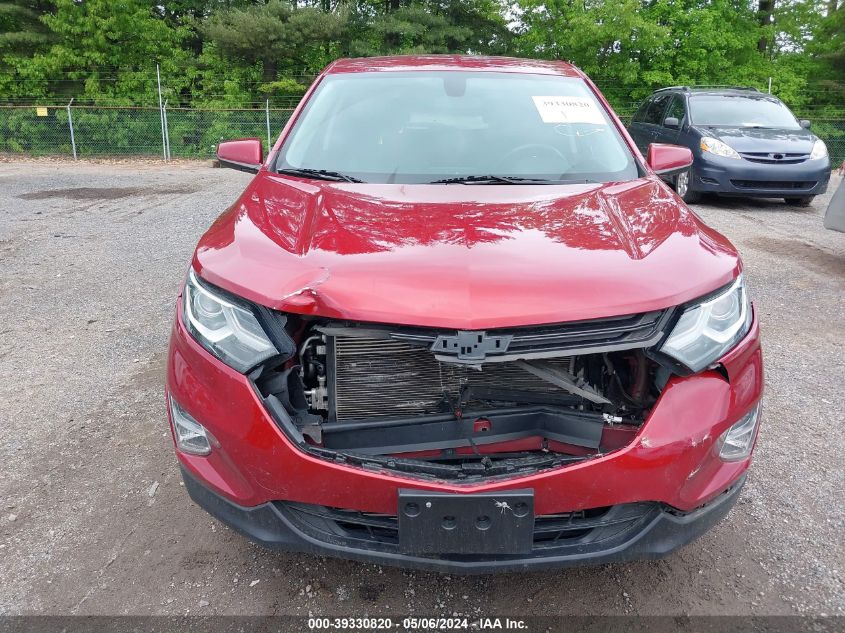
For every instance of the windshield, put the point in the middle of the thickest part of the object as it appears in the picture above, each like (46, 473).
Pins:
(737, 111)
(424, 126)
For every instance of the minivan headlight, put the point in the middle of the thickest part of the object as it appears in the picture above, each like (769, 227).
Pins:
(709, 328)
(819, 149)
(227, 330)
(717, 147)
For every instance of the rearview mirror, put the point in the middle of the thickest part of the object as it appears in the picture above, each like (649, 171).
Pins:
(668, 160)
(671, 122)
(244, 154)
(804, 123)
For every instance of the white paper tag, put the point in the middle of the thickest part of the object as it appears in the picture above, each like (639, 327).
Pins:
(568, 110)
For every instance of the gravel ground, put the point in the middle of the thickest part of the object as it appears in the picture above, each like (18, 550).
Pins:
(94, 519)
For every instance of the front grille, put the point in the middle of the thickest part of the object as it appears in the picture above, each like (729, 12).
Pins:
(779, 185)
(582, 337)
(775, 157)
(593, 527)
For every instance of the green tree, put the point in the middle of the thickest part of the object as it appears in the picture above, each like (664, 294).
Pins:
(278, 35)
(828, 54)
(388, 27)
(712, 42)
(832, 40)
(106, 50)
(229, 52)
(835, 28)
(21, 28)
(633, 46)
(614, 42)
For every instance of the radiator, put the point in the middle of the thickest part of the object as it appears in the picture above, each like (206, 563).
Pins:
(380, 377)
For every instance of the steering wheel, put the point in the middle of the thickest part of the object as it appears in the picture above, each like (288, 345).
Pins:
(533, 151)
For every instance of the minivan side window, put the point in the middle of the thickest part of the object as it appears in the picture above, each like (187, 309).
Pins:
(639, 115)
(656, 108)
(678, 109)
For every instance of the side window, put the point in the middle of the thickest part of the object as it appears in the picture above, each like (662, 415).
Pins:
(639, 115)
(656, 108)
(678, 109)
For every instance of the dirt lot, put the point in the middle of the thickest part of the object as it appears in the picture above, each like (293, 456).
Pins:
(94, 519)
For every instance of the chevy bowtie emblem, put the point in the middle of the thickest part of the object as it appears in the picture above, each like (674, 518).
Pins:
(470, 346)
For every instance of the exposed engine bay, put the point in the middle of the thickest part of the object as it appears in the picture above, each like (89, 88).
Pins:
(464, 404)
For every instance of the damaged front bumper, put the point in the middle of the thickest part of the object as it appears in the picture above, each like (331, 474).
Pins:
(258, 480)
(620, 533)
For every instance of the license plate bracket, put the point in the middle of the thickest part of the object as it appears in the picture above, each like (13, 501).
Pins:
(483, 523)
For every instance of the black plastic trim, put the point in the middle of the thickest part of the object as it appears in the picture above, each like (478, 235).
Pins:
(404, 435)
(623, 332)
(245, 167)
(661, 534)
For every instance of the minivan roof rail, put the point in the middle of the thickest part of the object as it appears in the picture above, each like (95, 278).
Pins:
(708, 87)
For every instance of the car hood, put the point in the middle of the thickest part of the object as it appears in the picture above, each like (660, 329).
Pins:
(463, 256)
(752, 139)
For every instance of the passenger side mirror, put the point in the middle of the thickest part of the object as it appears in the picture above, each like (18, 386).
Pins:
(245, 154)
(671, 122)
(668, 160)
(804, 123)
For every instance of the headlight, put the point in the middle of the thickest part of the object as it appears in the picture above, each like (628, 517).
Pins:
(819, 149)
(710, 328)
(717, 147)
(737, 441)
(229, 331)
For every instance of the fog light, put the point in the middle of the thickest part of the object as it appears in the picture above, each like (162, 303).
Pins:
(191, 436)
(737, 441)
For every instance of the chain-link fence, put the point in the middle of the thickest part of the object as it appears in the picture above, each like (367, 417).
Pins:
(89, 130)
(86, 130)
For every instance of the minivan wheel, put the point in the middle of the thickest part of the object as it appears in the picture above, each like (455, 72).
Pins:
(799, 202)
(682, 187)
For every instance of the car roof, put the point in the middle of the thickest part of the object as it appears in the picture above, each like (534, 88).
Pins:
(749, 93)
(453, 62)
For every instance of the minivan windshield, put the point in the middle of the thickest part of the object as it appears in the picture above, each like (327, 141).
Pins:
(739, 111)
(479, 127)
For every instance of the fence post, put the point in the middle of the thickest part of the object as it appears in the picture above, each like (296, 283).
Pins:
(267, 112)
(161, 115)
(166, 131)
(770, 85)
(70, 125)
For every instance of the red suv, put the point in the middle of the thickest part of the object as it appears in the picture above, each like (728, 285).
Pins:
(458, 322)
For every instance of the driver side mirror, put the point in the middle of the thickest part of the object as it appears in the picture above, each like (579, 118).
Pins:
(245, 154)
(668, 160)
(804, 123)
(671, 122)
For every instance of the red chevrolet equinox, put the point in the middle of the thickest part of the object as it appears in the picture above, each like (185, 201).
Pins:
(458, 322)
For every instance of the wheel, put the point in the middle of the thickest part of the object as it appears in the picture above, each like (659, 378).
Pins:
(682, 188)
(799, 202)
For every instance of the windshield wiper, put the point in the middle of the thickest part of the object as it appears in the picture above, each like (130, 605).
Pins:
(319, 174)
(493, 179)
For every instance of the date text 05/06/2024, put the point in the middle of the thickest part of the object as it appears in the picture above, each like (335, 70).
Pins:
(416, 623)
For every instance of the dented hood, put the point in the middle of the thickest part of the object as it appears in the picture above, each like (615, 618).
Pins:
(463, 256)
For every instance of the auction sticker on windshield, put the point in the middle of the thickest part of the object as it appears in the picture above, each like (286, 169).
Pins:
(568, 110)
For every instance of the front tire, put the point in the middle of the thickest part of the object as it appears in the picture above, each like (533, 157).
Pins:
(806, 201)
(682, 187)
